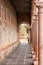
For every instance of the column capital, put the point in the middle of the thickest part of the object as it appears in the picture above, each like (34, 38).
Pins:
(34, 18)
(39, 4)
(36, 14)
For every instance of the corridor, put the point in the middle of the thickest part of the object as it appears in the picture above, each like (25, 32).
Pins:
(22, 55)
(21, 32)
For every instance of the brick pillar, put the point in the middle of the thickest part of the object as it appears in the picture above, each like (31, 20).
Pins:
(39, 4)
(36, 34)
(33, 32)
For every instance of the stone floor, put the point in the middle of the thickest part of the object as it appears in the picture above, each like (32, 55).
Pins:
(21, 56)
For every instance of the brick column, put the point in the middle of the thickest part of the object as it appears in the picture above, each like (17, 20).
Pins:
(33, 32)
(39, 4)
(36, 34)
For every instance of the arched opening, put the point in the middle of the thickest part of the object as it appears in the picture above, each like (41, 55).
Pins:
(24, 34)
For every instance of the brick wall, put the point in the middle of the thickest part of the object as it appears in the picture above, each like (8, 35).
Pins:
(8, 27)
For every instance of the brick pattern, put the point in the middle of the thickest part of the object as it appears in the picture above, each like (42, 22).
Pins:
(8, 24)
(22, 55)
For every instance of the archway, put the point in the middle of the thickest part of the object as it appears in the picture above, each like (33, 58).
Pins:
(24, 34)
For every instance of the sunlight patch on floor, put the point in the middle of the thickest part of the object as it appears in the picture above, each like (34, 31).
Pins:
(25, 41)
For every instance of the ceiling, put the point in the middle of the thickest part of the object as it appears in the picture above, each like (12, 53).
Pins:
(22, 6)
(23, 9)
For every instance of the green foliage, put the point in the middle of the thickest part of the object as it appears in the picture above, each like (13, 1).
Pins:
(27, 29)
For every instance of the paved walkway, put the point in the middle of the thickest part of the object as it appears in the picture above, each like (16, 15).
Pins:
(21, 56)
